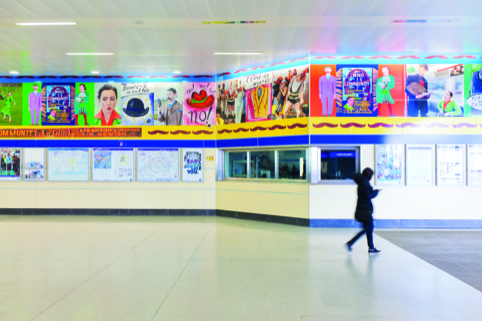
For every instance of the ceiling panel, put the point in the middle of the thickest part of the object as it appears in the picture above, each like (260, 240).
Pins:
(83, 8)
(61, 8)
(409, 7)
(360, 7)
(221, 9)
(108, 9)
(245, 9)
(383, 8)
(197, 8)
(267, 8)
(174, 9)
(128, 8)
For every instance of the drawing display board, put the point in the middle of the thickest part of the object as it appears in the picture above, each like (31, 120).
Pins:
(450, 164)
(157, 165)
(474, 162)
(68, 164)
(192, 165)
(33, 164)
(389, 165)
(419, 165)
(113, 164)
(11, 159)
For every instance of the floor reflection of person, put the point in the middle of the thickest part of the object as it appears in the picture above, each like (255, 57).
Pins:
(384, 85)
(447, 107)
(418, 103)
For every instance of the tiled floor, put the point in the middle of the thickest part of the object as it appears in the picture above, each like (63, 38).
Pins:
(208, 268)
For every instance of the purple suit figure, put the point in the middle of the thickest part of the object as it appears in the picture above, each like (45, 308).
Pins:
(327, 86)
(35, 105)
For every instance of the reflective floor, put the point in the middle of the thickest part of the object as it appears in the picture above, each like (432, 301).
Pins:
(208, 268)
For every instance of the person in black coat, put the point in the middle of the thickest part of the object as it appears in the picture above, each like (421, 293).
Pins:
(364, 209)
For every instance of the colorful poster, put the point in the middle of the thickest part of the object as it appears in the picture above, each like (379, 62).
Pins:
(157, 165)
(291, 93)
(84, 104)
(230, 101)
(192, 165)
(389, 165)
(390, 91)
(434, 90)
(11, 104)
(58, 104)
(420, 165)
(322, 90)
(113, 164)
(108, 104)
(168, 98)
(473, 90)
(474, 162)
(68, 164)
(355, 94)
(33, 164)
(258, 103)
(450, 164)
(10, 164)
(32, 103)
(137, 104)
(199, 103)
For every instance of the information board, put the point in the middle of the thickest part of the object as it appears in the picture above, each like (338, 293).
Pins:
(192, 165)
(113, 164)
(450, 164)
(157, 165)
(68, 164)
(33, 164)
(419, 165)
(389, 165)
(474, 162)
(11, 159)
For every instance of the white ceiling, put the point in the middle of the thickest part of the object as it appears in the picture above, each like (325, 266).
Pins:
(172, 36)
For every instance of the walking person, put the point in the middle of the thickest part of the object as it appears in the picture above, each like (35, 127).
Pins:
(364, 209)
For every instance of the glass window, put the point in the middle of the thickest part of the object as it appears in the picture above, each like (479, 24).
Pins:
(235, 164)
(262, 164)
(338, 164)
(292, 164)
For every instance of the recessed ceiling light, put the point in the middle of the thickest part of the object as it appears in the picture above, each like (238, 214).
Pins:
(13, 72)
(27, 24)
(89, 53)
(177, 72)
(236, 53)
(94, 72)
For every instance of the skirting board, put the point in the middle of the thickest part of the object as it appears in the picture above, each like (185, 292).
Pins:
(338, 223)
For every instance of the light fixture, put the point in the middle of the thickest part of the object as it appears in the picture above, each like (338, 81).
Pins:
(94, 72)
(89, 53)
(28, 24)
(177, 72)
(237, 53)
(13, 72)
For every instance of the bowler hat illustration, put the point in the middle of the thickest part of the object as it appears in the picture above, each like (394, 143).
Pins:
(135, 108)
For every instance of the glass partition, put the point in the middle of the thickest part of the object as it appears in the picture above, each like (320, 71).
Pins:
(292, 164)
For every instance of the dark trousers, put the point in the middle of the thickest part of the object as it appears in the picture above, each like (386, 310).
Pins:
(368, 229)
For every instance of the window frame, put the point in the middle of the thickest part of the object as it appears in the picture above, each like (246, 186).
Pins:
(320, 149)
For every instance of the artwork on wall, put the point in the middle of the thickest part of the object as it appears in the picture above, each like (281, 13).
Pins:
(434, 90)
(231, 101)
(84, 104)
(58, 104)
(157, 165)
(32, 104)
(199, 103)
(450, 164)
(291, 92)
(390, 91)
(137, 104)
(10, 164)
(113, 164)
(68, 164)
(474, 163)
(323, 90)
(11, 104)
(419, 165)
(389, 165)
(168, 100)
(192, 165)
(473, 90)
(355, 94)
(108, 106)
(33, 164)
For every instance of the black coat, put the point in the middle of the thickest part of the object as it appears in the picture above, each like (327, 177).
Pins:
(364, 206)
